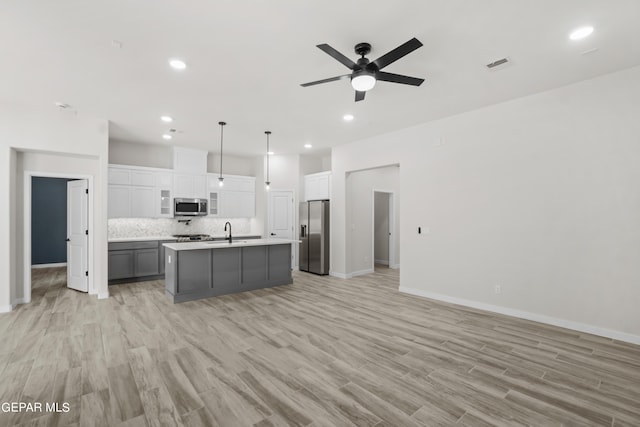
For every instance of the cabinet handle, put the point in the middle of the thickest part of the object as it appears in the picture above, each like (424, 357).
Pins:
(68, 240)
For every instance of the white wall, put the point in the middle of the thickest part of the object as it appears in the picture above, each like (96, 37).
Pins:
(360, 190)
(161, 156)
(136, 154)
(44, 129)
(538, 195)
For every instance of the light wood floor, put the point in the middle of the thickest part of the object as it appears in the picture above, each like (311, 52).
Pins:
(321, 352)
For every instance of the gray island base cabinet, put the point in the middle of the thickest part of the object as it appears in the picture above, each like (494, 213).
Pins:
(212, 271)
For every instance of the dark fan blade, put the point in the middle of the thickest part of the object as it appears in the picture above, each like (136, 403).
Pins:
(331, 79)
(359, 96)
(397, 78)
(338, 56)
(397, 53)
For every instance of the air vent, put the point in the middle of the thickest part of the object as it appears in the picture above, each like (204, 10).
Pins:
(497, 63)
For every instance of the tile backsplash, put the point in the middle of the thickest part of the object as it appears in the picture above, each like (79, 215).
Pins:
(142, 227)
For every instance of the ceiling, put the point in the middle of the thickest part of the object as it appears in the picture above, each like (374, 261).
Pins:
(247, 58)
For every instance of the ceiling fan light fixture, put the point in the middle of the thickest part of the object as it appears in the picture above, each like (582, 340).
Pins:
(363, 82)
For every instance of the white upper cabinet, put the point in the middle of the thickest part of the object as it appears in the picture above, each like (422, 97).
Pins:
(138, 192)
(235, 199)
(317, 186)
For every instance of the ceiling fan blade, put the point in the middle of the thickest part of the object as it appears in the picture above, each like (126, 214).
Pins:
(360, 95)
(338, 56)
(397, 53)
(398, 78)
(330, 79)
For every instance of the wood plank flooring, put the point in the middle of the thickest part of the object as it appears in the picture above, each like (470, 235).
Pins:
(320, 352)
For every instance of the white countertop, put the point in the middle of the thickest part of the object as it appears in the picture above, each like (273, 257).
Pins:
(149, 238)
(140, 239)
(239, 243)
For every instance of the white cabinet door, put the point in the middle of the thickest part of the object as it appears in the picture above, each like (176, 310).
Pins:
(214, 203)
(143, 178)
(323, 187)
(143, 202)
(119, 176)
(119, 201)
(165, 204)
(190, 186)
(164, 194)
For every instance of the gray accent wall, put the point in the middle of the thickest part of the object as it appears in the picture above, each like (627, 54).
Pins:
(48, 220)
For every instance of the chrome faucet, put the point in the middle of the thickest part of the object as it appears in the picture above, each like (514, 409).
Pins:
(225, 229)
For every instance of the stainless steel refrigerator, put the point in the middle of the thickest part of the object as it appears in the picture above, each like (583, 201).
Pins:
(314, 234)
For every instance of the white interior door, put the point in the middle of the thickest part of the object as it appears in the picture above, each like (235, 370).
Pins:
(77, 235)
(281, 218)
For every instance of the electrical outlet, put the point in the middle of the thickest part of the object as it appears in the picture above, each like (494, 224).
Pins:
(497, 289)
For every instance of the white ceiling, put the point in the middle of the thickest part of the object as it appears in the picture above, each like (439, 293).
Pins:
(247, 58)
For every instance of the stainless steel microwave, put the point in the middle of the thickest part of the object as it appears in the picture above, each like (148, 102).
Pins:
(189, 207)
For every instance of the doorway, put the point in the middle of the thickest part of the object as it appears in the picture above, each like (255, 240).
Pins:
(383, 229)
(281, 219)
(75, 228)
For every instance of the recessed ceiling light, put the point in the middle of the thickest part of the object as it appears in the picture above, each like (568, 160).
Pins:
(308, 145)
(580, 33)
(347, 117)
(271, 153)
(177, 64)
(166, 136)
(166, 119)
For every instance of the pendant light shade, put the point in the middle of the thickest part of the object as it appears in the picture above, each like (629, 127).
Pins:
(220, 178)
(267, 183)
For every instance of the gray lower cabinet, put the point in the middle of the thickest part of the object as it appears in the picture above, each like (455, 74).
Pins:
(120, 264)
(136, 261)
(202, 273)
(146, 262)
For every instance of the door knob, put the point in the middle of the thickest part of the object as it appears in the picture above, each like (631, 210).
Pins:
(273, 234)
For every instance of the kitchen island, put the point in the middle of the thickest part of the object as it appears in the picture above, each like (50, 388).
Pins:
(195, 270)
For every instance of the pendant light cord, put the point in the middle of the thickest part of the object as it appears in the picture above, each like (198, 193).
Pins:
(268, 133)
(221, 140)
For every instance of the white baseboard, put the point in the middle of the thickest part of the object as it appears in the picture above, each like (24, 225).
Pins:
(59, 264)
(6, 308)
(394, 266)
(339, 275)
(361, 272)
(568, 324)
(103, 295)
(382, 261)
(20, 301)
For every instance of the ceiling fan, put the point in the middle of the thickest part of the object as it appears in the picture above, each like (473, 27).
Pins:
(365, 73)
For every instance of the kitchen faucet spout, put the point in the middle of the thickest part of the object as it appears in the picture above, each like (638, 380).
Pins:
(225, 229)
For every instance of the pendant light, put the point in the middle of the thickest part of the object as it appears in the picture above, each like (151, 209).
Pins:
(221, 179)
(267, 182)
